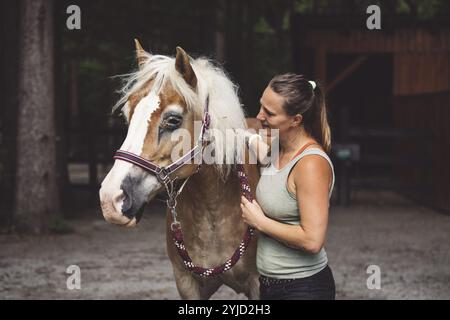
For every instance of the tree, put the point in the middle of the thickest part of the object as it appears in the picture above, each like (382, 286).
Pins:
(9, 25)
(37, 198)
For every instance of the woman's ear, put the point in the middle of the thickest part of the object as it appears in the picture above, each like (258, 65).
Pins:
(297, 120)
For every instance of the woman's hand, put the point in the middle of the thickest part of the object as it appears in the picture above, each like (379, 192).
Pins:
(258, 146)
(252, 213)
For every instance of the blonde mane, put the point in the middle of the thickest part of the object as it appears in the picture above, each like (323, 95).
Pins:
(224, 107)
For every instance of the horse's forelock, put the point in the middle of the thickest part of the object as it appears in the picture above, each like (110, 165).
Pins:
(225, 109)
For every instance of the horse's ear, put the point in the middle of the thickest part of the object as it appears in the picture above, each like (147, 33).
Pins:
(141, 55)
(184, 67)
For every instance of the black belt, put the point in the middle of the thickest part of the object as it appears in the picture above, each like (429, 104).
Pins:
(267, 281)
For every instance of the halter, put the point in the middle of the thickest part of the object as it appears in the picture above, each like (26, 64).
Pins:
(163, 173)
(163, 176)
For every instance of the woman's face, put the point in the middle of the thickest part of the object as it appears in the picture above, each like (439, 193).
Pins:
(272, 114)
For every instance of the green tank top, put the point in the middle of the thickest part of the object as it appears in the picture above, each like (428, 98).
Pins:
(275, 259)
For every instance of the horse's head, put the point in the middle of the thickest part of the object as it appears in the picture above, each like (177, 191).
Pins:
(154, 109)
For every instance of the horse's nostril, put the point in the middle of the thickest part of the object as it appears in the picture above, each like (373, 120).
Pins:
(133, 196)
(127, 204)
(117, 201)
(140, 212)
(124, 195)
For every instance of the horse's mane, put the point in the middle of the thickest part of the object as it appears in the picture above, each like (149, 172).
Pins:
(224, 107)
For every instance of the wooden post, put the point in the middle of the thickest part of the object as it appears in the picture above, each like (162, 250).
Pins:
(321, 65)
(61, 108)
(9, 29)
(344, 164)
(220, 32)
(73, 95)
(92, 158)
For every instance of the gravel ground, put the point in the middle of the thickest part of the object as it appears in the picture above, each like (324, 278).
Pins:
(409, 243)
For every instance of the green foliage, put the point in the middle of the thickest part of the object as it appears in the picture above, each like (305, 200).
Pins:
(423, 9)
(420, 9)
(429, 9)
(104, 47)
(303, 6)
(286, 21)
(403, 7)
(261, 26)
(60, 226)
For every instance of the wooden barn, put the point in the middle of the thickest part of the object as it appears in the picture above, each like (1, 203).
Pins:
(389, 94)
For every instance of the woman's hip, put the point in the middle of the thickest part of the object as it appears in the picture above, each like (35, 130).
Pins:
(320, 286)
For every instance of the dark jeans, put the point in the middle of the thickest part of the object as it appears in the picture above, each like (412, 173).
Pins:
(319, 286)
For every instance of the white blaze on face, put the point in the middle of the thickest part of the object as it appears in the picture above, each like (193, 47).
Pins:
(138, 127)
(134, 142)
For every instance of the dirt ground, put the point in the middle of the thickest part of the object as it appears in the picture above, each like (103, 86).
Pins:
(409, 243)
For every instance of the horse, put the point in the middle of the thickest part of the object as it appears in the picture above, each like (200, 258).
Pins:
(165, 95)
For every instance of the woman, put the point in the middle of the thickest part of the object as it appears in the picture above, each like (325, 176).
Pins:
(292, 196)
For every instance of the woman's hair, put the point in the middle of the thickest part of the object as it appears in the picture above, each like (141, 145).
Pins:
(305, 98)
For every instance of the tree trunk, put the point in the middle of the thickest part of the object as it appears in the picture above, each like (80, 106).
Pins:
(37, 199)
(9, 50)
(220, 31)
(61, 109)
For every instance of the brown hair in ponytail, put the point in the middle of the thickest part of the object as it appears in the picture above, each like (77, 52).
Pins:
(301, 98)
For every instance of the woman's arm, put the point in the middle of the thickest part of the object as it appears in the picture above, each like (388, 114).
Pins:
(312, 187)
(259, 146)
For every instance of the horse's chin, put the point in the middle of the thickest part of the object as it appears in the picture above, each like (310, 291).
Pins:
(122, 222)
(127, 223)
(132, 223)
(119, 219)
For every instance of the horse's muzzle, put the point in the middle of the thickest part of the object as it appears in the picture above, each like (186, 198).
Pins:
(111, 209)
(134, 197)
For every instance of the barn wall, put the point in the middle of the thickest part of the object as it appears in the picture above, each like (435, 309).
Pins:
(417, 40)
(421, 94)
(418, 73)
(422, 101)
(431, 113)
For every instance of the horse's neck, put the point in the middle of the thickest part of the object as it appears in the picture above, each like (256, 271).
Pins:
(206, 190)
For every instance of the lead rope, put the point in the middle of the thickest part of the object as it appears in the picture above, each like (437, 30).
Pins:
(177, 236)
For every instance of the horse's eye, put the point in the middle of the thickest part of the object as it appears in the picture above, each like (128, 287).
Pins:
(174, 121)
(171, 122)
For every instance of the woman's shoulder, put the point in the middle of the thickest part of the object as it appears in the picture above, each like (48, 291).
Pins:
(313, 160)
(313, 148)
(312, 167)
(314, 144)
